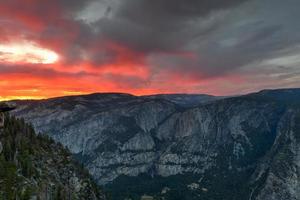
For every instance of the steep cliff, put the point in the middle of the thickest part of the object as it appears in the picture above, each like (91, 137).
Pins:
(233, 148)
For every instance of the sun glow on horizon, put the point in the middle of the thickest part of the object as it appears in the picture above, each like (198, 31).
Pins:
(10, 98)
(26, 53)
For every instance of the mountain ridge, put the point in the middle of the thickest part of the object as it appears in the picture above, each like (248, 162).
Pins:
(136, 137)
(154, 94)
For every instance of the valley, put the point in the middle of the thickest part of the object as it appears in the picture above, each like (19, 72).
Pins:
(142, 145)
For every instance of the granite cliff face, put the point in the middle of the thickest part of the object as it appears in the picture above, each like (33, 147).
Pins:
(110, 132)
(250, 142)
(278, 174)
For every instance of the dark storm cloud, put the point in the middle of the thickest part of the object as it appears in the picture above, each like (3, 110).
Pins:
(159, 25)
(222, 35)
(243, 37)
(75, 5)
(193, 39)
(218, 57)
(161, 13)
(224, 58)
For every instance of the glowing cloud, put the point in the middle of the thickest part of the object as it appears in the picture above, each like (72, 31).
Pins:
(54, 48)
(26, 53)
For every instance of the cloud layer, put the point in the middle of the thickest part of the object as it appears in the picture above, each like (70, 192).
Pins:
(151, 46)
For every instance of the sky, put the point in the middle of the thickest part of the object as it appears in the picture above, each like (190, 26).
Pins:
(68, 47)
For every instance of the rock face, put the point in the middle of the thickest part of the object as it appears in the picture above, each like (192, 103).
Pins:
(110, 132)
(249, 142)
(279, 172)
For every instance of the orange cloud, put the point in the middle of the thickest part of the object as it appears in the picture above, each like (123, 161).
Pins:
(45, 52)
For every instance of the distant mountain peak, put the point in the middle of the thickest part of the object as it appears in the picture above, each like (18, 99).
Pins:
(141, 145)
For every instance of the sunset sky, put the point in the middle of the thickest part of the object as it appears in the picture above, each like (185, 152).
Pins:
(64, 47)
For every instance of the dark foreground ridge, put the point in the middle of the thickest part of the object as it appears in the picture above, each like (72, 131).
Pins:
(35, 167)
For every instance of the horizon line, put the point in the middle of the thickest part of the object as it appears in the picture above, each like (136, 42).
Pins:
(124, 93)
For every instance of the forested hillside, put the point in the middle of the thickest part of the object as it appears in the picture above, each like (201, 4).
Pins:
(35, 167)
